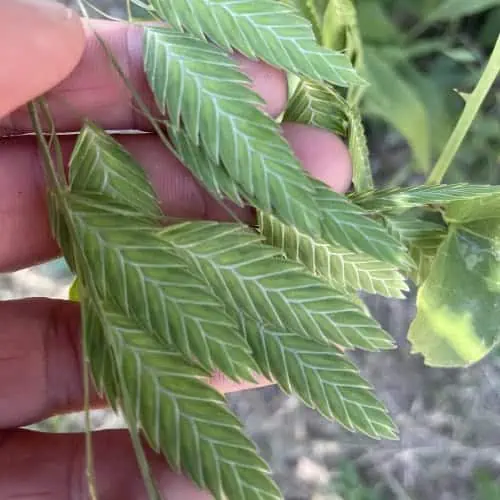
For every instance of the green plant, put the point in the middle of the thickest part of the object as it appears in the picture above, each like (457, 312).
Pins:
(164, 305)
(349, 485)
(486, 487)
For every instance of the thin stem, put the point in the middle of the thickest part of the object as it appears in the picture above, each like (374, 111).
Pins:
(472, 106)
(56, 186)
(129, 12)
(86, 406)
(49, 169)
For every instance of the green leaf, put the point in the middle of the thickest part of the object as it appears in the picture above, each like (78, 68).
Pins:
(323, 378)
(393, 99)
(362, 174)
(254, 278)
(100, 354)
(387, 200)
(480, 208)
(309, 10)
(456, 324)
(269, 30)
(423, 239)
(213, 176)
(203, 87)
(339, 16)
(152, 283)
(320, 106)
(348, 225)
(185, 418)
(101, 164)
(315, 104)
(343, 268)
(449, 10)
(376, 25)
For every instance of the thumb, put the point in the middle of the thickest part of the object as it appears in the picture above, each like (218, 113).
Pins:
(41, 42)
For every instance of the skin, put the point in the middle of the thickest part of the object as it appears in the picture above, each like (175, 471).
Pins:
(39, 357)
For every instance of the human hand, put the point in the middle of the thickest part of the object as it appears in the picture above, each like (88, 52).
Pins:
(45, 49)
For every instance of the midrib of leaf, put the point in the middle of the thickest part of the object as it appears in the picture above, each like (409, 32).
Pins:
(394, 199)
(249, 276)
(260, 29)
(362, 174)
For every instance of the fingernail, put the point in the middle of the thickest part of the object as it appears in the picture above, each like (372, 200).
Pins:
(50, 9)
(41, 42)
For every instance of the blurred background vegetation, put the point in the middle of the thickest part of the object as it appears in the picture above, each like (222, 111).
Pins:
(422, 58)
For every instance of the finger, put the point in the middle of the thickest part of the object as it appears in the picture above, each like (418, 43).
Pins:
(95, 90)
(40, 362)
(39, 466)
(23, 213)
(40, 44)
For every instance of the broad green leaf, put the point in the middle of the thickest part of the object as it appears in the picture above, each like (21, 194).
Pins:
(100, 164)
(185, 418)
(202, 86)
(393, 99)
(456, 324)
(423, 239)
(315, 104)
(323, 378)
(348, 225)
(472, 209)
(343, 268)
(251, 277)
(386, 200)
(449, 10)
(435, 95)
(273, 31)
(376, 25)
(152, 283)
(361, 170)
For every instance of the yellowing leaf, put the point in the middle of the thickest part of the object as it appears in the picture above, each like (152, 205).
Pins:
(456, 324)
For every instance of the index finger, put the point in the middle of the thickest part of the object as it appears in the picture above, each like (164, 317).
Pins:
(95, 90)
